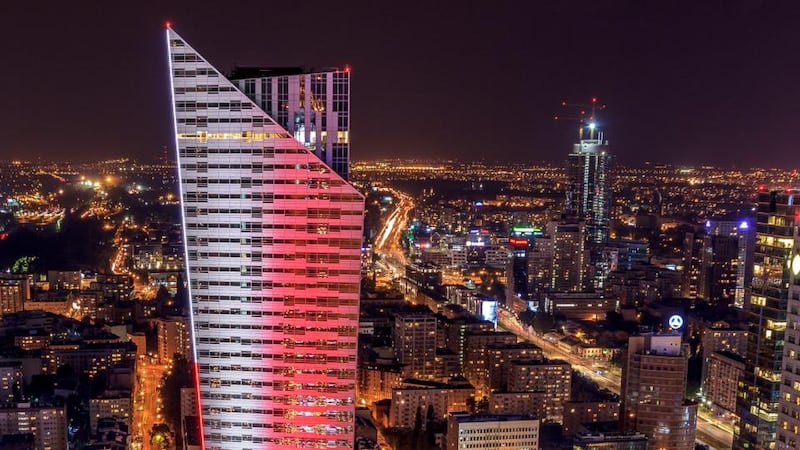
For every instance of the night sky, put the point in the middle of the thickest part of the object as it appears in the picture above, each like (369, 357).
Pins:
(717, 83)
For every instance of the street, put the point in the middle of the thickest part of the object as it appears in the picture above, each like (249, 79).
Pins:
(147, 400)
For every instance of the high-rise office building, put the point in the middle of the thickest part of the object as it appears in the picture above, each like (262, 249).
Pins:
(521, 240)
(312, 105)
(776, 282)
(726, 262)
(570, 268)
(692, 261)
(519, 267)
(654, 392)
(759, 392)
(414, 337)
(273, 239)
(589, 195)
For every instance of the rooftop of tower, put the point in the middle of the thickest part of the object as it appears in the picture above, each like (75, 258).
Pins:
(242, 72)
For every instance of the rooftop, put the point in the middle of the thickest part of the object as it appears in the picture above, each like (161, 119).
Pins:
(466, 417)
(242, 72)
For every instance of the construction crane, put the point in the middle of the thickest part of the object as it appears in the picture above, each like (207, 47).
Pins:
(585, 121)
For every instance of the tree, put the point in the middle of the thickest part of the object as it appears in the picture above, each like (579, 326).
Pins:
(543, 322)
(24, 264)
(159, 436)
(181, 376)
(162, 295)
(471, 405)
(418, 420)
(429, 437)
(482, 406)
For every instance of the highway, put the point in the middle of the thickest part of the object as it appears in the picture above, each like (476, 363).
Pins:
(387, 242)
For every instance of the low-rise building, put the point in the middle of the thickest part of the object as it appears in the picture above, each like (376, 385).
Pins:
(491, 431)
(48, 424)
(722, 379)
(418, 395)
(14, 292)
(552, 377)
(116, 404)
(10, 382)
(578, 414)
(610, 441)
(516, 402)
(376, 382)
(579, 306)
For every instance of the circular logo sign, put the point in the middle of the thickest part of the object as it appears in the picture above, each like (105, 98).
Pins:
(675, 322)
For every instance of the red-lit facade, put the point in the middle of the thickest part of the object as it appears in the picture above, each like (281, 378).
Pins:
(273, 239)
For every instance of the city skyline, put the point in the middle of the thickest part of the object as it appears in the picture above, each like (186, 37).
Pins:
(692, 84)
(545, 237)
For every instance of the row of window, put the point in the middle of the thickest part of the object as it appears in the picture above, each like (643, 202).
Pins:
(267, 197)
(191, 105)
(255, 227)
(282, 385)
(287, 329)
(313, 183)
(204, 89)
(258, 271)
(259, 241)
(342, 374)
(191, 73)
(191, 151)
(310, 316)
(327, 302)
(203, 121)
(335, 415)
(257, 285)
(311, 213)
(244, 136)
(286, 343)
(331, 258)
(186, 57)
(285, 357)
(257, 165)
(282, 442)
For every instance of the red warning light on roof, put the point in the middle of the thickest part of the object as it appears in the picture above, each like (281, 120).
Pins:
(347, 68)
(594, 99)
(168, 23)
